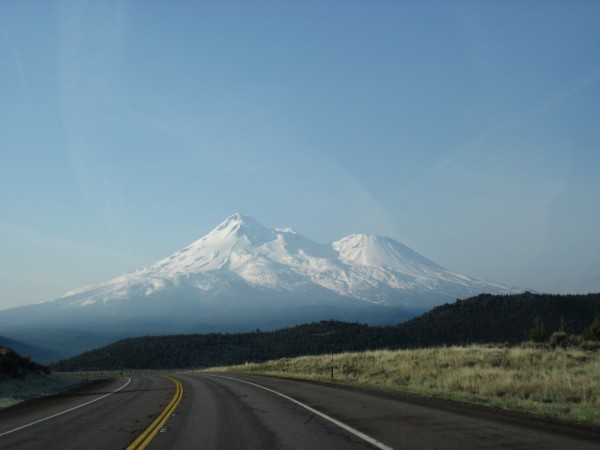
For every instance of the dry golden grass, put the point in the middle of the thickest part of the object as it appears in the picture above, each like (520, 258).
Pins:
(561, 383)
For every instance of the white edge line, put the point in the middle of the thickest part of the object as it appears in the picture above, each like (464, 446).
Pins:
(66, 411)
(348, 428)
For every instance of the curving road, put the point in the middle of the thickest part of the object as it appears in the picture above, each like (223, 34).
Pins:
(222, 411)
(107, 415)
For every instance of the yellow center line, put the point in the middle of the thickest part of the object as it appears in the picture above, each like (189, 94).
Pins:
(146, 437)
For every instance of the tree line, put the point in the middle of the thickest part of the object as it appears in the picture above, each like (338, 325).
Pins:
(482, 319)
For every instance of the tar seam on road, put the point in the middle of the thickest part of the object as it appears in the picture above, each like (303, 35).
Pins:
(66, 411)
(146, 437)
(348, 428)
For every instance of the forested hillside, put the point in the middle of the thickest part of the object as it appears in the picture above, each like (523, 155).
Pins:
(13, 365)
(491, 318)
(481, 319)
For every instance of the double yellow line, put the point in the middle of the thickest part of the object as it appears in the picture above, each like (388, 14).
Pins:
(146, 437)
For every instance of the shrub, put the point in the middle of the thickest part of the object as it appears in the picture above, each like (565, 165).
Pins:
(559, 339)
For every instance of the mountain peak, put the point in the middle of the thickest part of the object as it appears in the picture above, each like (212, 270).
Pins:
(235, 220)
(379, 251)
(240, 226)
(242, 252)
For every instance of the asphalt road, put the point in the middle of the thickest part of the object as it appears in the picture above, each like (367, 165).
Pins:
(111, 421)
(224, 411)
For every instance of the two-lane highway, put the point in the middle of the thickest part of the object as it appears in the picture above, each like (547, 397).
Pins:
(230, 413)
(223, 411)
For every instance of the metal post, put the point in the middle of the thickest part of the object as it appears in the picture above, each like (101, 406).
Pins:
(331, 362)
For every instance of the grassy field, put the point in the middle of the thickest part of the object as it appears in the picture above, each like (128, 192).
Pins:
(559, 383)
(16, 390)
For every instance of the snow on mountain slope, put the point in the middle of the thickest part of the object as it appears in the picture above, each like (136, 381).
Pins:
(374, 251)
(243, 276)
(240, 253)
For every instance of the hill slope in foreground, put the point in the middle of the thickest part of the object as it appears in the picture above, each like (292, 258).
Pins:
(22, 379)
(481, 319)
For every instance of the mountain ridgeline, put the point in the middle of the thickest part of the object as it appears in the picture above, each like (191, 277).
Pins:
(481, 319)
(243, 275)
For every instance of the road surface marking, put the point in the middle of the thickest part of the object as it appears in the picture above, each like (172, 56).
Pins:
(348, 428)
(146, 437)
(66, 411)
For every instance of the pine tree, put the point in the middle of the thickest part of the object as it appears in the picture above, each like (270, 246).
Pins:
(592, 333)
(537, 333)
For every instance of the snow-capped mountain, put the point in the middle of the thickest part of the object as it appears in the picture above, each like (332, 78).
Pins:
(243, 275)
(369, 268)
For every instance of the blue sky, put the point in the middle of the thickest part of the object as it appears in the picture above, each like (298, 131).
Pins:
(468, 130)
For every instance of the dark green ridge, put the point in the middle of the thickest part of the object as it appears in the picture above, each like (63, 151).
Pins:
(482, 319)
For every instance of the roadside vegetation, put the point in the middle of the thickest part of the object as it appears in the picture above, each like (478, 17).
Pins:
(555, 376)
(563, 383)
(22, 379)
